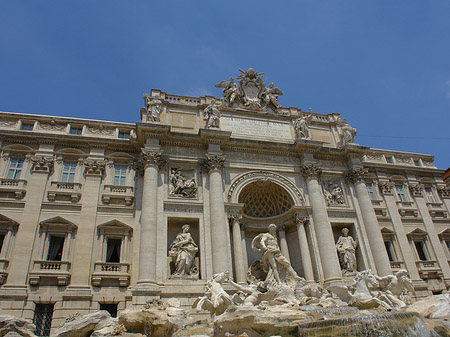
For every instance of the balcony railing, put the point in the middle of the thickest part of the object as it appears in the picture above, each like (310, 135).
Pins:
(56, 270)
(64, 190)
(396, 265)
(111, 271)
(428, 268)
(118, 192)
(16, 186)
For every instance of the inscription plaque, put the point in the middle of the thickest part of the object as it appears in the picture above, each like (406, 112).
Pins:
(256, 128)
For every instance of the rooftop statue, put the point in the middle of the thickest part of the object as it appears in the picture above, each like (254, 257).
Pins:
(301, 126)
(349, 132)
(152, 107)
(230, 91)
(212, 115)
(270, 96)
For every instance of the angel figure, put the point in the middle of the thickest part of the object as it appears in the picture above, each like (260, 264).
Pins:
(230, 91)
(301, 126)
(212, 115)
(270, 96)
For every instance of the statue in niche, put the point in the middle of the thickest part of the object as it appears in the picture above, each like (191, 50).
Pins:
(333, 193)
(182, 251)
(212, 115)
(230, 91)
(301, 126)
(394, 288)
(152, 107)
(270, 96)
(346, 248)
(179, 185)
(278, 268)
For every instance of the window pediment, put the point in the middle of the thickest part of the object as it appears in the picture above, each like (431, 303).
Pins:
(58, 224)
(417, 233)
(115, 226)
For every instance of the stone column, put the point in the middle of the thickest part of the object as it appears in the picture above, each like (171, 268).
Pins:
(283, 242)
(324, 233)
(386, 189)
(304, 248)
(148, 233)
(376, 242)
(82, 255)
(244, 248)
(214, 164)
(237, 248)
(417, 192)
(22, 250)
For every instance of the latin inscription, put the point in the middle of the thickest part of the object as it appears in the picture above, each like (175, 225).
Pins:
(256, 128)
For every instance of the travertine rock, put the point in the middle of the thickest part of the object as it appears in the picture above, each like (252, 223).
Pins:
(87, 324)
(436, 307)
(13, 327)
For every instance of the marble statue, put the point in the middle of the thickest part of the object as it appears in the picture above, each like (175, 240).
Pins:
(333, 193)
(152, 107)
(230, 92)
(349, 132)
(181, 186)
(301, 126)
(279, 269)
(270, 96)
(359, 294)
(346, 247)
(182, 251)
(212, 115)
(394, 286)
(216, 299)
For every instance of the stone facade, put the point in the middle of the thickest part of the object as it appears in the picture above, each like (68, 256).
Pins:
(89, 209)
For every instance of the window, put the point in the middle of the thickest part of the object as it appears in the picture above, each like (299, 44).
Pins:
(401, 194)
(113, 250)
(109, 307)
(390, 250)
(431, 197)
(389, 160)
(421, 252)
(447, 243)
(15, 168)
(417, 162)
(27, 126)
(371, 191)
(68, 173)
(120, 175)
(43, 314)
(55, 248)
(2, 239)
(75, 130)
(124, 135)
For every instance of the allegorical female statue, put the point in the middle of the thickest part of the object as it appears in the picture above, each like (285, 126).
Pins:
(182, 251)
(346, 247)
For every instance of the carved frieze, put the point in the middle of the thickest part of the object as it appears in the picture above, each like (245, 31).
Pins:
(333, 193)
(311, 171)
(182, 184)
(52, 126)
(7, 122)
(100, 130)
(41, 164)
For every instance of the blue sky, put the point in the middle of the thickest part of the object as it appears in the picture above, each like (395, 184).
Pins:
(384, 65)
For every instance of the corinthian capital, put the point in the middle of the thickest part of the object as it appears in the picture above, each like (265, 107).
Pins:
(234, 218)
(152, 157)
(416, 189)
(386, 187)
(299, 219)
(357, 174)
(94, 167)
(443, 192)
(41, 164)
(311, 171)
(214, 162)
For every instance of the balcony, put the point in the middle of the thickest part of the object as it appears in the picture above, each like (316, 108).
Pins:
(58, 271)
(15, 187)
(109, 271)
(407, 209)
(3, 270)
(397, 265)
(437, 210)
(429, 269)
(64, 191)
(118, 194)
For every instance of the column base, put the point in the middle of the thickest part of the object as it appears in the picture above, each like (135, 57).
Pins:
(145, 290)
